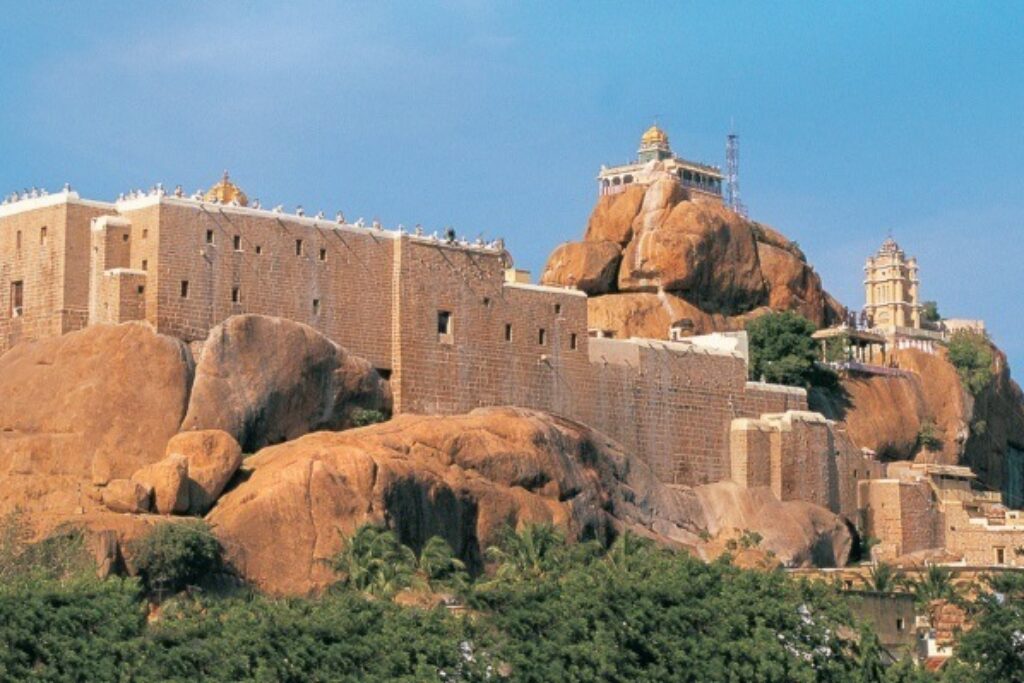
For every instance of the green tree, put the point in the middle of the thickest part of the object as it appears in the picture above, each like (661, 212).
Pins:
(971, 355)
(884, 578)
(373, 561)
(534, 552)
(930, 312)
(929, 437)
(936, 584)
(177, 554)
(781, 349)
(438, 564)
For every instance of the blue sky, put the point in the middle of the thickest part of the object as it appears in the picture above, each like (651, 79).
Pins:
(855, 118)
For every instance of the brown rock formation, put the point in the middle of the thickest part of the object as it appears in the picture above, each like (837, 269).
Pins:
(650, 315)
(996, 424)
(124, 495)
(102, 401)
(266, 380)
(212, 458)
(723, 266)
(464, 478)
(588, 266)
(168, 479)
(612, 218)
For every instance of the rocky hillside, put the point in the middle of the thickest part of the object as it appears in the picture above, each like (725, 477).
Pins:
(115, 428)
(654, 255)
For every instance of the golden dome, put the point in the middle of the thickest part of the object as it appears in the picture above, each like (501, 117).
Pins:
(654, 136)
(226, 192)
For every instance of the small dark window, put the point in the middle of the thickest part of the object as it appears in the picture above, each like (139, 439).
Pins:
(124, 237)
(209, 236)
(444, 323)
(298, 247)
(238, 243)
(323, 254)
(542, 336)
(140, 289)
(235, 296)
(1000, 556)
(508, 332)
(145, 264)
(899, 623)
(259, 250)
(18, 241)
(42, 235)
(316, 306)
(572, 341)
(487, 302)
(184, 289)
(558, 309)
(145, 233)
(17, 298)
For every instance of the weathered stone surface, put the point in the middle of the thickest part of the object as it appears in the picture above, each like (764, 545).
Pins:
(589, 266)
(461, 477)
(265, 380)
(612, 218)
(124, 495)
(90, 406)
(702, 251)
(794, 285)
(170, 483)
(640, 314)
(800, 534)
(212, 458)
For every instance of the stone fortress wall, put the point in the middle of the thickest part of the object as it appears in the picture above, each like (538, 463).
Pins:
(185, 265)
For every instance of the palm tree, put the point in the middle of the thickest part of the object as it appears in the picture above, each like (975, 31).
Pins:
(625, 549)
(532, 553)
(375, 562)
(936, 584)
(437, 562)
(884, 578)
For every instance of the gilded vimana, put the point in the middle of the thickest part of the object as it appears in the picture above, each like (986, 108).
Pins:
(477, 365)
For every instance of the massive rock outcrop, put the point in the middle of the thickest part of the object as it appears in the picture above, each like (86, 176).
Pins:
(466, 478)
(723, 268)
(266, 380)
(86, 408)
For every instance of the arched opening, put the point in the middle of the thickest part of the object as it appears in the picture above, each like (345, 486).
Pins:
(616, 180)
(628, 179)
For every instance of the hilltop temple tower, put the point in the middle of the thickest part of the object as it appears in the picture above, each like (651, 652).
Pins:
(891, 289)
(702, 179)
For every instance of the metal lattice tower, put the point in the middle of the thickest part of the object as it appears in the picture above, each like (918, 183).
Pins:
(732, 175)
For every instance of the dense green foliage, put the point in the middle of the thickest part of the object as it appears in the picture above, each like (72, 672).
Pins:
(971, 355)
(782, 350)
(547, 611)
(175, 555)
(929, 436)
(930, 312)
(362, 417)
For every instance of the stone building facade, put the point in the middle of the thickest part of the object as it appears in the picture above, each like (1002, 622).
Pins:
(437, 316)
(702, 179)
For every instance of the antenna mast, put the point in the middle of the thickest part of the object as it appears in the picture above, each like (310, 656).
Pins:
(732, 174)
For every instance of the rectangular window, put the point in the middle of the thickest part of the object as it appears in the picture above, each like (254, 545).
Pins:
(558, 309)
(316, 306)
(1000, 555)
(235, 295)
(323, 254)
(17, 298)
(238, 243)
(184, 289)
(508, 332)
(572, 341)
(42, 235)
(298, 247)
(141, 289)
(145, 264)
(899, 623)
(542, 336)
(209, 236)
(125, 236)
(444, 323)
(18, 241)
(145, 233)
(259, 249)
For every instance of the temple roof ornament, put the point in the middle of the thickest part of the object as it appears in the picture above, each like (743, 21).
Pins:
(226, 192)
(654, 136)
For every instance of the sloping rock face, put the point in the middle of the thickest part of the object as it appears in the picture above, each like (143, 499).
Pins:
(266, 380)
(464, 478)
(88, 407)
(726, 268)
(996, 425)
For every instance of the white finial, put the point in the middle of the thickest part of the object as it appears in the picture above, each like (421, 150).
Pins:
(299, 211)
(339, 217)
(419, 229)
(360, 222)
(279, 208)
(256, 203)
(320, 214)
